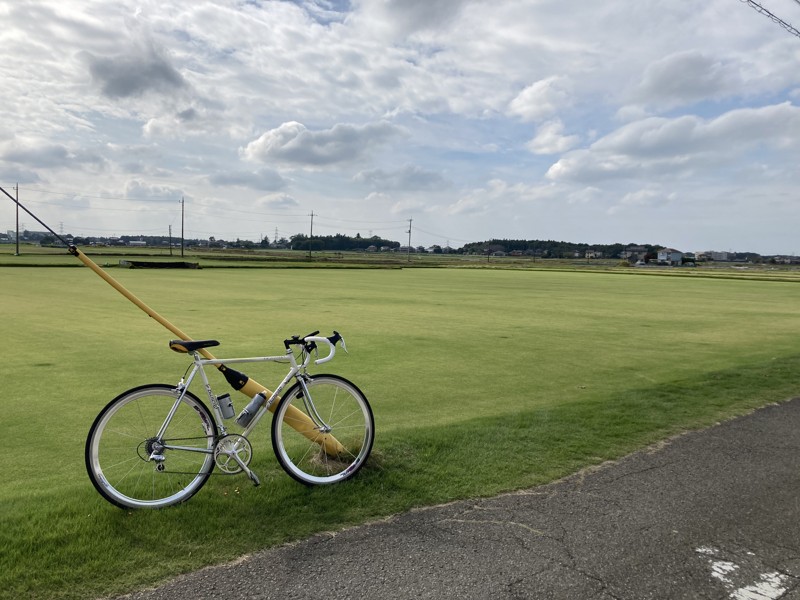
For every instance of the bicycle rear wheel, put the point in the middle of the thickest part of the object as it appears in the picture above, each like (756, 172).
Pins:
(343, 407)
(132, 466)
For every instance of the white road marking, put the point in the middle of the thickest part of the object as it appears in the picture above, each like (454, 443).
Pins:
(769, 586)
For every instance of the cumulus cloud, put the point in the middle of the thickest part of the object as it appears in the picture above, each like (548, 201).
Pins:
(685, 77)
(676, 146)
(550, 139)
(9, 173)
(405, 17)
(293, 144)
(541, 100)
(142, 68)
(278, 201)
(41, 154)
(136, 189)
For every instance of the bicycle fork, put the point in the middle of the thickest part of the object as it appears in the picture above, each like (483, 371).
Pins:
(310, 408)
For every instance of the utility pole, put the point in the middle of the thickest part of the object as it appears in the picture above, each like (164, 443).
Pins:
(16, 193)
(170, 240)
(409, 240)
(311, 236)
(182, 213)
(16, 201)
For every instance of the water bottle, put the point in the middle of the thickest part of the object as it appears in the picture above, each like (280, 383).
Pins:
(225, 406)
(251, 409)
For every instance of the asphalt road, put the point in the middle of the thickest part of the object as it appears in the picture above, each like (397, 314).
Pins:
(710, 514)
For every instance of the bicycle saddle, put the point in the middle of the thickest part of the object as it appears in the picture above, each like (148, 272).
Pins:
(191, 345)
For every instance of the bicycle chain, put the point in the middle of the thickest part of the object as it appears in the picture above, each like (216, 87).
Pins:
(202, 437)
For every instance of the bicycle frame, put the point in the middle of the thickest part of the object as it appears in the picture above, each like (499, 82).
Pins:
(295, 370)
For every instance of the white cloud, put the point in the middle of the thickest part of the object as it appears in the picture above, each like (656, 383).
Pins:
(681, 146)
(549, 139)
(136, 189)
(278, 202)
(541, 100)
(43, 154)
(402, 18)
(686, 77)
(293, 144)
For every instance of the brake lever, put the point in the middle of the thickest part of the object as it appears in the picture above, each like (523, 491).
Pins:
(341, 339)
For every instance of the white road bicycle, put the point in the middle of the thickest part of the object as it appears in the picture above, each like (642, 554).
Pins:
(156, 445)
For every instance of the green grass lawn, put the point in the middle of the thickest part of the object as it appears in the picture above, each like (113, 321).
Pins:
(481, 380)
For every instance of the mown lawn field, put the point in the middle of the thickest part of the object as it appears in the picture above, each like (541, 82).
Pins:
(481, 380)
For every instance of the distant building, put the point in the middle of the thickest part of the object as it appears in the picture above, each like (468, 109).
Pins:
(633, 253)
(670, 256)
(718, 256)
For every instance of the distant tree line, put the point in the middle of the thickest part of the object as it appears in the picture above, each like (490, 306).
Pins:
(340, 243)
(343, 243)
(157, 241)
(551, 248)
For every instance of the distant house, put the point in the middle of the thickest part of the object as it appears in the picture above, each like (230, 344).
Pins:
(718, 256)
(670, 256)
(634, 253)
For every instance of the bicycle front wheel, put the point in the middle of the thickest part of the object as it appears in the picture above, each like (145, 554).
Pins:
(301, 448)
(149, 449)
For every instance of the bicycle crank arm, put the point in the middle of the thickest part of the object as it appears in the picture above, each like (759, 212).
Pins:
(253, 477)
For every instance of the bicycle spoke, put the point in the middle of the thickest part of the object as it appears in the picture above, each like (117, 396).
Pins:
(347, 413)
(131, 468)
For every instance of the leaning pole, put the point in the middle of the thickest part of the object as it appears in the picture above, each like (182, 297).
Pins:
(249, 387)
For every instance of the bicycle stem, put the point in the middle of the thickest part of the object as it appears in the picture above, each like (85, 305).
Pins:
(296, 418)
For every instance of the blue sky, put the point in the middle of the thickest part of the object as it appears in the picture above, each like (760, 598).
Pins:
(659, 122)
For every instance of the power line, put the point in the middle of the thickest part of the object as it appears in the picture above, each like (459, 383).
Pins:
(443, 237)
(163, 200)
(776, 19)
(285, 220)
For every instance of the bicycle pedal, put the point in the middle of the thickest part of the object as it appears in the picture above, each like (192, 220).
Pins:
(254, 478)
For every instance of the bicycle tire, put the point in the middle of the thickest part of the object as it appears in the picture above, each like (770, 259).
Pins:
(123, 436)
(341, 405)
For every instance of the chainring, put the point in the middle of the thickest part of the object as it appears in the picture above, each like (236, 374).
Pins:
(228, 447)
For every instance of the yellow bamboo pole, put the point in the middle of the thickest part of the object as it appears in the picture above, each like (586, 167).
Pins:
(296, 418)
